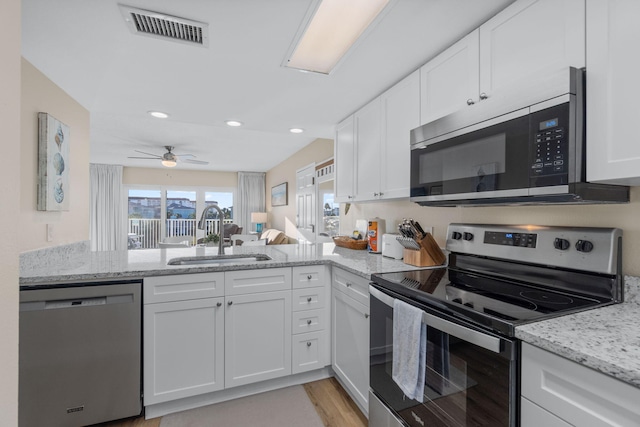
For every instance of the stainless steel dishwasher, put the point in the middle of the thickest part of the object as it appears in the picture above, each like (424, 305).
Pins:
(80, 354)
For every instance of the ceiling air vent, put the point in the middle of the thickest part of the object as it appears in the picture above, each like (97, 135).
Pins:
(166, 27)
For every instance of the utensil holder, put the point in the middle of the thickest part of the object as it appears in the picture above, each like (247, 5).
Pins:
(428, 254)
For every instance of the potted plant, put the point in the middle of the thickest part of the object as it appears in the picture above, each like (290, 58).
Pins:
(211, 239)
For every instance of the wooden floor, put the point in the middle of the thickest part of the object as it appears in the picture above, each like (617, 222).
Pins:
(333, 404)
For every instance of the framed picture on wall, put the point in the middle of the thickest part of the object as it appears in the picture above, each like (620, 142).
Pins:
(279, 195)
(53, 164)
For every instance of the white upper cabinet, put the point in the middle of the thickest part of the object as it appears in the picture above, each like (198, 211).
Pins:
(530, 39)
(451, 80)
(401, 113)
(367, 132)
(344, 156)
(613, 150)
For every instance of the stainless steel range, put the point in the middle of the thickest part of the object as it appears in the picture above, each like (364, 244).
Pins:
(498, 277)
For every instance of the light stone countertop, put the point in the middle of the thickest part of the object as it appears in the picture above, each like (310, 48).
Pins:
(606, 339)
(77, 263)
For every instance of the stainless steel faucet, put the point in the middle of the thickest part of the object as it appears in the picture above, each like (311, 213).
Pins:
(203, 220)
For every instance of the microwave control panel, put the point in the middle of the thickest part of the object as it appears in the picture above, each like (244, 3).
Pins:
(549, 144)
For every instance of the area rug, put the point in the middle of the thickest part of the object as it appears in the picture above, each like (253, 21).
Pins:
(286, 407)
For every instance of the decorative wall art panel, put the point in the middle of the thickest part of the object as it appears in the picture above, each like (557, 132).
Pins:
(279, 195)
(53, 164)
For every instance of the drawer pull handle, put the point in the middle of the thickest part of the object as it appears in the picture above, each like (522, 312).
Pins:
(470, 101)
(366, 316)
(308, 343)
(348, 285)
(309, 277)
(309, 299)
(309, 322)
(218, 304)
(483, 95)
(230, 302)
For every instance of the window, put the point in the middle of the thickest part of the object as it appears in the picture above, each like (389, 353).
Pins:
(171, 214)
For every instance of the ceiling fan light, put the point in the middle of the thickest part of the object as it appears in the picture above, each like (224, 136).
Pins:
(169, 163)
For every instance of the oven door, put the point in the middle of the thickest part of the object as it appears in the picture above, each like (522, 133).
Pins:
(471, 375)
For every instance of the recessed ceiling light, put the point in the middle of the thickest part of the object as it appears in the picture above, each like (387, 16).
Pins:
(296, 130)
(159, 114)
(233, 123)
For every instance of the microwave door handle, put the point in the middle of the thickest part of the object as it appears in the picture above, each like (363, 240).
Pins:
(480, 339)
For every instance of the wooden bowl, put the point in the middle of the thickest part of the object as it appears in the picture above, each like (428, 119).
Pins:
(349, 243)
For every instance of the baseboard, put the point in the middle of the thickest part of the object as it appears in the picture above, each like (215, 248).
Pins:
(160, 409)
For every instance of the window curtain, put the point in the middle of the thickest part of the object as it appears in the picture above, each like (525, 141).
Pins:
(251, 197)
(108, 226)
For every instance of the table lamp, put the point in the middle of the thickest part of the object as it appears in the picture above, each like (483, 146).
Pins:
(259, 218)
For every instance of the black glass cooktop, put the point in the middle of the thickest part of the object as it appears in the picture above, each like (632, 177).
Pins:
(492, 302)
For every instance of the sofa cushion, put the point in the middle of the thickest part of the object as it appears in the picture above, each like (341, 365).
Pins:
(274, 237)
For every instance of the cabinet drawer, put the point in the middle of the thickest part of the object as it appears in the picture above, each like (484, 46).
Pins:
(183, 287)
(354, 286)
(252, 281)
(531, 415)
(577, 394)
(308, 298)
(307, 352)
(309, 276)
(308, 321)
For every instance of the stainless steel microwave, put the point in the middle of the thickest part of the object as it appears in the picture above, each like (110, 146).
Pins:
(527, 147)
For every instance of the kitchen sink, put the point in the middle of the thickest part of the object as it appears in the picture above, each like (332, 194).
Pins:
(219, 259)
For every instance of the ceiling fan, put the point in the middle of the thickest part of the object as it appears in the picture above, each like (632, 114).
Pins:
(169, 159)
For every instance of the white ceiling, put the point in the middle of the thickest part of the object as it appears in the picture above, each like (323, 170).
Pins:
(85, 47)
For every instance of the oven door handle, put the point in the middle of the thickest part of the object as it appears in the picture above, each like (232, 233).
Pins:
(480, 339)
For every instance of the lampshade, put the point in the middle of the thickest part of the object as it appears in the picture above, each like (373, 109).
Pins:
(169, 163)
(258, 217)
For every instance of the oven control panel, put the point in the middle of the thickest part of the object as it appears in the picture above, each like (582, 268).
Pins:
(580, 248)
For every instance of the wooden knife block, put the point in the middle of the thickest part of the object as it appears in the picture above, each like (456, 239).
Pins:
(429, 254)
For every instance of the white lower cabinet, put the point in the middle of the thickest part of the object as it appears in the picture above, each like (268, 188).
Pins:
(211, 332)
(350, 344)
(183, 349)
(257, 337)
(559, 392)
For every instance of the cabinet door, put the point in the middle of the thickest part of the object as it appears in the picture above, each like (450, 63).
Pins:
(344, 160)
(451, 80)
(367, 131)
(531, 415)
(183, 349)
(308, 352)
(350, 339)
(400, 114)
(528, 40)
(257, 337)
(613, 151)
(577, 394)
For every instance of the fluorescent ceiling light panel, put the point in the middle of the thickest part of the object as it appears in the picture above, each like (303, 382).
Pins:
(334, 28)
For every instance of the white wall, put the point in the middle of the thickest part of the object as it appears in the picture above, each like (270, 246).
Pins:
(624, 216)
(178, 177)
(10, 190)
(39, 94)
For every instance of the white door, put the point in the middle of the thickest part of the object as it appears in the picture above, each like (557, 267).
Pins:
(451, 80)
(401, 113)
(350, 336)
(257, 337)
(528, 40)
(344, 156)
(183, 349)
(367, 131)
(613, 151)
(306, 203)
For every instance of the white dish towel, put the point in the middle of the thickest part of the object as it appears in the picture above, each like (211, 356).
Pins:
(409, 349)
